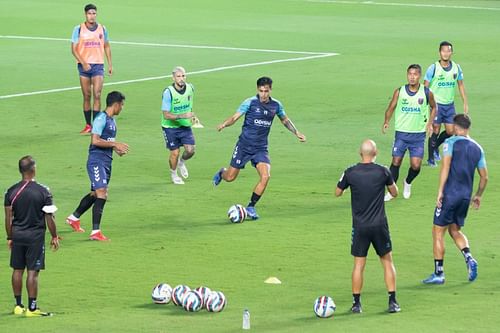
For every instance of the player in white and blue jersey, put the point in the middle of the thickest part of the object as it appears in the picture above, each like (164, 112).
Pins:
(461, 157)
(259, 112)
(101, 149)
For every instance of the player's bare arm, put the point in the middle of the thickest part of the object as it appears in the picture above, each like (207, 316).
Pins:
(119, 147)
(85, 65)
(287, 122)
(172, 116)
(390, 110)
(461, 89)
(483, 180)
(50, 220)
(229, 121)
(393, 190)
(339, 192)
(107, 51)
(433, 105)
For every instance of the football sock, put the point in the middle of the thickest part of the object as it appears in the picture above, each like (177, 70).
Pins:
(392, 296)
(411, 175)
(466, 253)
(86, 202)
(32, 303)
(97, 213)
(394, 172)
(438, 266)
(356, 298)
(87, 115)
(173, 173)
(18, 300)
(253, 200)
(94, 114)
(431, 145)
(443, 136)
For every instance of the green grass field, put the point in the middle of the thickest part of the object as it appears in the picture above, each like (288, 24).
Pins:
(180, 234)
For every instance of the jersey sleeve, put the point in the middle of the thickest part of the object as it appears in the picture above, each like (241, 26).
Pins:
(448, 146)
(343, 182)
(281, 111)
(99, 124)
(166, 101)
(106, 34)
(76, 35)
(482, 161)
(245, 106)
(429, 75)
(7, 199)
(389, 180)
(460, 76)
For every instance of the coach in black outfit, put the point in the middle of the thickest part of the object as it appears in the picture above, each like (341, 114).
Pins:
(368, 181)
(28, 211)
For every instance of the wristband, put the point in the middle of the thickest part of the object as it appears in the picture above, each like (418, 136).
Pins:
(9, 238)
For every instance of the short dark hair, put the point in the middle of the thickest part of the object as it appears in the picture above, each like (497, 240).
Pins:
(445, 43)
(462, 121)
(26, 164)
(414, 66)
(89, 7)
(114, 97)
(265, 81)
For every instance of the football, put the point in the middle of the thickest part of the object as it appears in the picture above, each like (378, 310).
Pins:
(216, 302)
(204, 292)
(237, 213)
(162, 293)
(324, 307)
(178, 294)
(193, 301)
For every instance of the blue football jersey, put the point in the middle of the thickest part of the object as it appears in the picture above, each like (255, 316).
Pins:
(466, 155)
(258, 120)
(105, 127)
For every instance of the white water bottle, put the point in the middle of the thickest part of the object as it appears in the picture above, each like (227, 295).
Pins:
(246, 319)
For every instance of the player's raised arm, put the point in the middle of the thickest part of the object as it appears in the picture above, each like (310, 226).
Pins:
(287, 122)
(229, 121)
(390, 110)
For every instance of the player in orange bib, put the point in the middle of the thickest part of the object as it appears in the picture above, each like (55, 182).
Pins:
(89, 44)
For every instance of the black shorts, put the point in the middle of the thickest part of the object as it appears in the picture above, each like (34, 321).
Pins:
(378, 235)
(30, 256)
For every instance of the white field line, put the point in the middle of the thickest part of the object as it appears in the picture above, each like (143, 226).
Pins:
(203, 71)
(404, 4)
(171, 45)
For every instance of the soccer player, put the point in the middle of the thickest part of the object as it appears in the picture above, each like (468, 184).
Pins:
(368, 181)
(28, 212)
(176, 123)
(89, 44)
(461, 157)
(411, 102)
(252, 144)
(99, 162)
(442, 77)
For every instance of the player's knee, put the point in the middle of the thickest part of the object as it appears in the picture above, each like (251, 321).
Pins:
(265, 178)
(87, 95)
(188, 152)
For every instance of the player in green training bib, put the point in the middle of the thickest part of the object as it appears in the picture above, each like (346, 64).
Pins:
(442, 77)
(176, 122)
(410, 104)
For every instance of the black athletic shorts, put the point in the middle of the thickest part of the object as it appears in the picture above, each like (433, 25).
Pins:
(30, 256)
(378, 235)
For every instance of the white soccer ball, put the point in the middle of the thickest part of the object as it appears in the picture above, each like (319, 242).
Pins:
(237, 213)
(162, 293)
(178, 294)
(324, 307)
(193, 301)
(216, 302)
(205, 293)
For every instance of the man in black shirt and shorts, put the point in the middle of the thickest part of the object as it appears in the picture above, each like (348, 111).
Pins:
(368, 181)
(28, 212)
